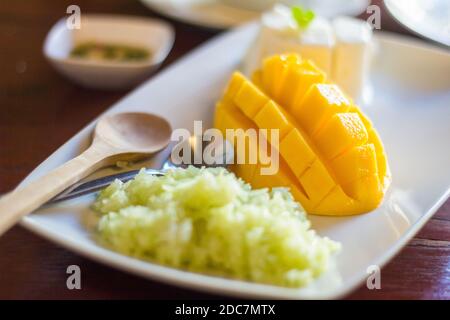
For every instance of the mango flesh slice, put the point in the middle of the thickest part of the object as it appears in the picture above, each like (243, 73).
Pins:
(271, 117)
(227, 116)
(300, 158)
(354, 165)
(296, 83)
(318, 105)
(330, 155)
(347, 131)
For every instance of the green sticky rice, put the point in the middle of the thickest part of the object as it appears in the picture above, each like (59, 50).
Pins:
(209, 221)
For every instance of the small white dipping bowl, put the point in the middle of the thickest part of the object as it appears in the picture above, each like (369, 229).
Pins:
(154, 35)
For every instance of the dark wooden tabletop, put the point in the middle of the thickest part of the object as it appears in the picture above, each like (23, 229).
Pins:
(40, 110)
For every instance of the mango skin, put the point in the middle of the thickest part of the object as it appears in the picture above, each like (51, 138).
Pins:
(331, 156)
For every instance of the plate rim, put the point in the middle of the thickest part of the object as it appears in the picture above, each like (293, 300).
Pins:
(436, 39)
(223, 25)
(112, 259)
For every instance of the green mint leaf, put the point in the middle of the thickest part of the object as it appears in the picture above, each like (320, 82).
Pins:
(302, 17)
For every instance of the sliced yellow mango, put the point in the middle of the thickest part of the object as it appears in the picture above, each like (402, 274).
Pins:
(283, 178)
(237, 79)
(273, 69)
(231, 119)
(271, 117)
(250, 99)
(244, 171)
(228, 116)
(367, 123)
(355, 164)
(316, 181)
(257, 79)
(318, 105)
(274, 72)
(336, 202)
(330, 156)
(368, 190)
(300, 157)
(383, 167)
(342, 131)
(297, 81)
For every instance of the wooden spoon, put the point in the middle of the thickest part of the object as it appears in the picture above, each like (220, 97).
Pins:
(123, 136)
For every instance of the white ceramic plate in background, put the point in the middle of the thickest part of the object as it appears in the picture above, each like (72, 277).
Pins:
(203, 13)
(410, 108)
(154, 35)
(427, 18)
(224, 14)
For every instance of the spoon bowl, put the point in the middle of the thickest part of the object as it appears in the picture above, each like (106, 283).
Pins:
(133, 132)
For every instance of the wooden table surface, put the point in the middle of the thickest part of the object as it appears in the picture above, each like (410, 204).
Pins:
(40, 110)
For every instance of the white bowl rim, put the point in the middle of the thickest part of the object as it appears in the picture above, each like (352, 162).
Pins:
(154, 60)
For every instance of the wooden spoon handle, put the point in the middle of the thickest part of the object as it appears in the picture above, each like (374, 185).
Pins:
(24, 200)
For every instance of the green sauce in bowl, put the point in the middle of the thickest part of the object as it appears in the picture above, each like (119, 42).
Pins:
(109, 52)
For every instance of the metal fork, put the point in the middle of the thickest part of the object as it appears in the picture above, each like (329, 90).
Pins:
(92, 186)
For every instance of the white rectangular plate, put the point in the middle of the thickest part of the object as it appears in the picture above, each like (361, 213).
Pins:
(410, 108)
